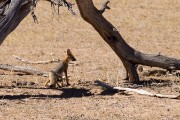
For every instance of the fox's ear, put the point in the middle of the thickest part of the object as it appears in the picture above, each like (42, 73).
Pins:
(68, 51)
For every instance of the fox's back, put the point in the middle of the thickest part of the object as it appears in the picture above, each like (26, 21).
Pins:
(61, 67)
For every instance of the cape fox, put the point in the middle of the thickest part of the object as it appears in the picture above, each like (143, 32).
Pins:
(55, 75)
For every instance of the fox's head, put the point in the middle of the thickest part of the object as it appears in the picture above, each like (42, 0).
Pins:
(70, 55)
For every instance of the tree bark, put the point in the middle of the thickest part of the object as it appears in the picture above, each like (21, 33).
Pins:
(129, 56)
(12, 12)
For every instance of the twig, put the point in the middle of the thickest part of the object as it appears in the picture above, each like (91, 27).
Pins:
(33, 6)
(53, 3)
(38, 62)
(141, 92)
(60, 3)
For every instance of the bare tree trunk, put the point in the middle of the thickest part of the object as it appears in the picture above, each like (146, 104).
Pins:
(127, 54)
(12, 12)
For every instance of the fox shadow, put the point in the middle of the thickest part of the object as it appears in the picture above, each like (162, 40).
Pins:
(65, 93)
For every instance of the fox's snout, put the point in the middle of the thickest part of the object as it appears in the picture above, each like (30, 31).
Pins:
(74, 59)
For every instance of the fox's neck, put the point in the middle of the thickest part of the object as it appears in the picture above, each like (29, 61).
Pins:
(67, 60)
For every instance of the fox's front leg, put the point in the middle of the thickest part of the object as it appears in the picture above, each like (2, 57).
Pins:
(58, 85)
(46, 84)
(60, 79)
(67, 80)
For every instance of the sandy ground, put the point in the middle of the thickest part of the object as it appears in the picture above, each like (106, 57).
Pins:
(148, 26)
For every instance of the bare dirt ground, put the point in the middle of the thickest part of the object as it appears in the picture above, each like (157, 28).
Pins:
(149, 26)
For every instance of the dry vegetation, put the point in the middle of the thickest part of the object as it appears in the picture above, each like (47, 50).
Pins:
(149, 26)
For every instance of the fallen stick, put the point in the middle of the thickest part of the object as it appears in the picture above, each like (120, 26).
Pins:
(37, 62)
(141, 92)
(26, 70)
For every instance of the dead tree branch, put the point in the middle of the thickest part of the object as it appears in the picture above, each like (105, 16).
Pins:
(33, 6)
(12, 12)
(140, 92)
(27, 70)
(129, 56)
(37, 62)
(59, 3)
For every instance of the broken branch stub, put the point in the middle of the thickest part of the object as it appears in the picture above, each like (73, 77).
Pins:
(104, 7)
